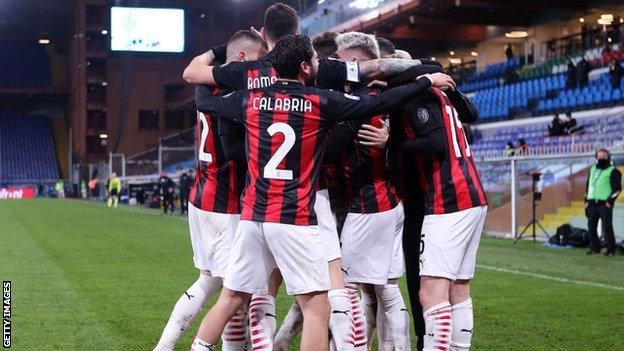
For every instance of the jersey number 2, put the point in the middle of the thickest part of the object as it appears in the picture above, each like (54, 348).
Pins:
(204, 156)
(270, 170)
(452, 113)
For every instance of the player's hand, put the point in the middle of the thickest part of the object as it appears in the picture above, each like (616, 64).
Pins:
(372, 136)
(255, 31)
(441, 80)
(608, 204)
(377, 83)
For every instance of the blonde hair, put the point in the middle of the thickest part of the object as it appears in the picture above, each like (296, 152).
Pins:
(358, 40)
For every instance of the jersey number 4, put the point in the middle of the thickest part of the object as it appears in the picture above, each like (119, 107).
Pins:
(270, 170)
(204, 156)
(455, 125)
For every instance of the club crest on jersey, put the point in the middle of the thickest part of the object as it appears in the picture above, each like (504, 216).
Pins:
(260, 82)
(423, 114)
(282, 104)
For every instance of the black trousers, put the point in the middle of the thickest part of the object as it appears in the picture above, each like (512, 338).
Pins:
(184, 201)
(168, 202)
(412, 226)
(598, 210)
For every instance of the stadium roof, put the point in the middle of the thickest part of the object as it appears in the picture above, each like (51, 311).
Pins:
(426, 26)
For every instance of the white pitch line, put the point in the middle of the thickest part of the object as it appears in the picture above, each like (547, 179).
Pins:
(548, 277)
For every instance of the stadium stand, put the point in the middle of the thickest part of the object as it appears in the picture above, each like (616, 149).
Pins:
(24, 65)
(26, 150)
(597, 132)
(542, 87)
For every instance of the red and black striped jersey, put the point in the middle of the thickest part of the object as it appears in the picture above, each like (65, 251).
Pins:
(286, 130)
(369, 189)
(218, 182)
(239, 75)
(449, 178)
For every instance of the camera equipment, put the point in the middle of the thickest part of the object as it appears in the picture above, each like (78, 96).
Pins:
(537, 196)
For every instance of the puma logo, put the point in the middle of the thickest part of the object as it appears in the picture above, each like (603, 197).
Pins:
(345, 312)
(466, 331)
(270, 315)
(403, 309)
(431, 335)
(188, 295)
(345, 271)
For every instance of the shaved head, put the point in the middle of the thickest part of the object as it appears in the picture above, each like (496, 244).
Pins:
(245, 46)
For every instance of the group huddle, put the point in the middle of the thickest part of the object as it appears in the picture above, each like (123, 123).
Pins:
(330, 166)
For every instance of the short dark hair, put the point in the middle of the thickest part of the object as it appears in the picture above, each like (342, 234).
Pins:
(386, 46)
(325, 44)
(289, 52)
(246, 35)
(280, 20)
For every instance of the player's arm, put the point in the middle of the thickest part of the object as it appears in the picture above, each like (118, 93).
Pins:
(467, 111)
(339, 138)
(379, 68)
(345, 106)
(411, 74)
(427, 120)
(228, 106)
(616, 186)
(232, 137)
(200, 70)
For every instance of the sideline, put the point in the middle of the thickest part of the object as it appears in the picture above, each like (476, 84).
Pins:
(552, 278)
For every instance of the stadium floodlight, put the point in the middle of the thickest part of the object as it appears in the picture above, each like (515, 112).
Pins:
(604, 22)
(103, 136)
(365, 4)
(582, 20)
(44, 41)
(104, 32)
(452, 53)
(433, 58)
(455, 60)
(517, 34)
(474, 53)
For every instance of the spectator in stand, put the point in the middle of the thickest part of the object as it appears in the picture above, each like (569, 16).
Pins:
(583, 72)
(556, 127)
(511, 76)
(616, 72)
(571, 77)
(510, 150)
(523, 148)
(604, 184)
(509, 52)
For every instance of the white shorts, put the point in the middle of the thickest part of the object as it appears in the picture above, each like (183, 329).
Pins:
(259, 248)
(372, 248)
(212, 235)
(327, 225)
(449, 243)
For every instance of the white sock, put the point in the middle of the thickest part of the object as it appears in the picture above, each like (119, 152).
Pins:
(359, 323)
(234, 336)
(369, 305)
(201, 345)
(438, 326)
(384, 342)
(186, 309)
(462, 326)
(262, 322)
(396, 330)
(341, 319)
(291, 326)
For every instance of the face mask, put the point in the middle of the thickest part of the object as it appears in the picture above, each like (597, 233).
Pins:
(603, 164)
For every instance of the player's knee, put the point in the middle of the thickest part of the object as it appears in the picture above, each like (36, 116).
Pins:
(388, 295)
(459, 291)
(233, 299)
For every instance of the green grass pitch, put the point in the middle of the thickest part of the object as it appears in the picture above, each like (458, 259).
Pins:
(88, 278)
